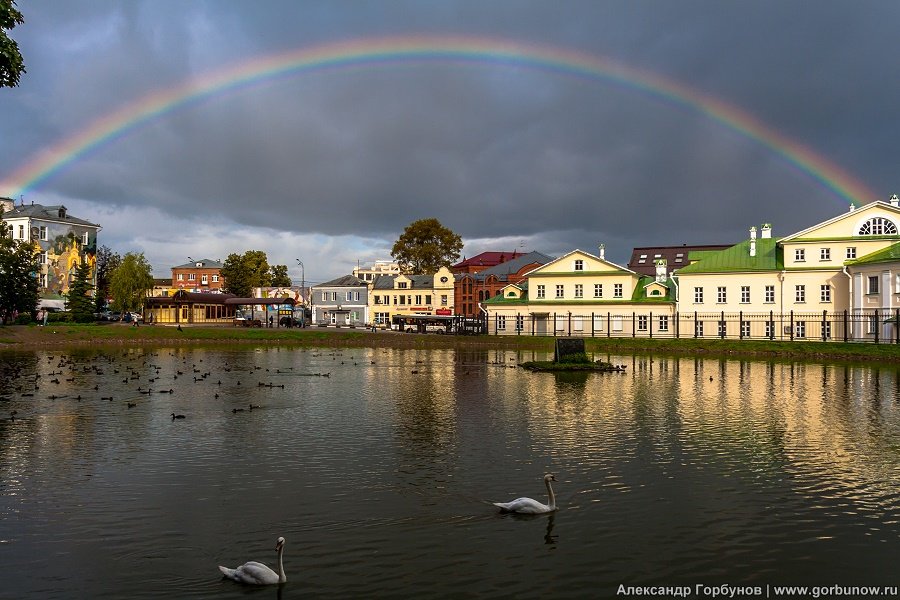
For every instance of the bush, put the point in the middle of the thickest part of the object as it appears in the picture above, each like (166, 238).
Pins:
(576, 358)
(23, 319)
(59, 317)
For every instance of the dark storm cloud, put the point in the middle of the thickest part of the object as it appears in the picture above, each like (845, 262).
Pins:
(495, 152)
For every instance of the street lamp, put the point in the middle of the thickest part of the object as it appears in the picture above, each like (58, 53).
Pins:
(302, 291)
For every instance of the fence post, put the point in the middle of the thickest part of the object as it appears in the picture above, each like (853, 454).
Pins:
(677, 326)
(771, 325)
(740, 324)
(553, 324)
(722, 325)
(897, 325)
(592, 323)
(877, 325)
(650, 324)
(695, 324)
(824, 318)
(633, 324)
(846, 324)
(608, 324)
(792, 325)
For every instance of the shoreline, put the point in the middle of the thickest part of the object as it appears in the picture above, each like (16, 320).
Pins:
(32, 337)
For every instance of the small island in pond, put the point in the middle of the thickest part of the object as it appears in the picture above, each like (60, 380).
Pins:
(570, 356)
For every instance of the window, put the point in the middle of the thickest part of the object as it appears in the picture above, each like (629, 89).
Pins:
(745, 294)
(800, 329)
(215, 278)
(561, 322)
(721, 296)
(43, 258)
(642, 259)
(878, 226)
(443, 299)
(745, 329)
(800, 255)
(520, 323)
(348, 297)
(873, 284)
(42, 232)
(871, 325)
(825, 292)
(577, 323)
(617, 290)
(679, 257)
(401, 285)
(43, 280)
(642, 323)
(501, 323)
(181, 277)
(770, 294)
(192, 276)
(698, 295)
(402, 300)
(381, 318)
(579, 290)
(664, 322)
(598, 290)
(824, 253)
(21, 232)
(826, 331)
(428, 299)
(84, 238)
(324, 296)
(334, 296)
(851, 252)
(698, 328)
(770, 329)
(356, 296)
(377, 299)
(541, 291)
(799, 293)
(559, 290)
(723, 329)
(579, 265)
(204, 279)
(598, 322)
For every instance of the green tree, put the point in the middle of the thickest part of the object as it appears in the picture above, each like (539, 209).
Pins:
(19, 266)
(11, 63)
(280, 277)
(425, 246)
(80, 303)
(130, 282)
(243, 272)
(107, 261)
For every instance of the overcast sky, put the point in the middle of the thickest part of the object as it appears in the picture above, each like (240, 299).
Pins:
(329, 165)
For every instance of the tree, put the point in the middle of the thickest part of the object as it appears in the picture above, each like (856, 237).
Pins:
(11, 64)
(19, 266)
(80, 303)
(280, 276)
(107, 261)
(425, 246)
(243, 272)
(130, 282)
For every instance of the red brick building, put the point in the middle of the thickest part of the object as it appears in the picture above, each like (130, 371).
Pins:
(198, 276)
(475, 282)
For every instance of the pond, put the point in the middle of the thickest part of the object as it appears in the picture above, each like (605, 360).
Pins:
(379, 467)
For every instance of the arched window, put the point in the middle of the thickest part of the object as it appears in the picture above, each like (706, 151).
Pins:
(878, 226)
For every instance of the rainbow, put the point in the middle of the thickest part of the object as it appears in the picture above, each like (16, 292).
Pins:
(465, 50)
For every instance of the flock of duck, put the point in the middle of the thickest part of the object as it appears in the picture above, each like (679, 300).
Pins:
(252, 572)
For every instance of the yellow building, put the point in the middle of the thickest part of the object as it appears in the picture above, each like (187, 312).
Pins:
(581, 294)
(393, 297)
(807, 285)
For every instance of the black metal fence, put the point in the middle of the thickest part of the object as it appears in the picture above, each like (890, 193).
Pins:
(874, 326)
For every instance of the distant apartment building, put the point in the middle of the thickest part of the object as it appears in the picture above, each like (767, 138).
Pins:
(380, 267)
(198, 276)
(472, 287)
(62, 241)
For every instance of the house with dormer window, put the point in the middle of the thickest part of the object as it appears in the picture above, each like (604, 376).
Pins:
(62, 241)
(581, 293)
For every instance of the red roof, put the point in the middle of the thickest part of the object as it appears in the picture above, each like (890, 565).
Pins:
(486, 259)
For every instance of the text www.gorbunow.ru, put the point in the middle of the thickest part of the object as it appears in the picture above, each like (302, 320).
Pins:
(758, 591)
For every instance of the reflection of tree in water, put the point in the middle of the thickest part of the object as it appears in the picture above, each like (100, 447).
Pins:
(426, 427)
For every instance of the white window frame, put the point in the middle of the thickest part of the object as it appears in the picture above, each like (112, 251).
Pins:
(541, 291)
(560, 291)
(579, 290)
(800, 294)
(824, 254)
(579, 264)
(851, 252)
(825, 292)
(872, 284)
(770, 294)
(799, 255)
(698, 295)
(617, 290)
(745, 294)
(721, 295)
(598, 290)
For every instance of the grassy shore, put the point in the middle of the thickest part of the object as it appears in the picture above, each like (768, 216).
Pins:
(20, 337)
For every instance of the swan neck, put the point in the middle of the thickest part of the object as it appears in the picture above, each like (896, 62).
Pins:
(281, 576)
(551, 496)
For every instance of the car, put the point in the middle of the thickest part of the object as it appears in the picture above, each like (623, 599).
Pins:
(131, 317)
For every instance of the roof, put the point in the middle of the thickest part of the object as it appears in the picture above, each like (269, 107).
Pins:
(191, 297)
(503, 270)
(670, 253)
(486, 259)
(57, 213)
(737, 258)
(204, 263)
(889, 254)
(345, 281)
(260, 301)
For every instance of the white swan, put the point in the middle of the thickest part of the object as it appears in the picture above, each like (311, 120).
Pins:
(255, 573)
(528, 505)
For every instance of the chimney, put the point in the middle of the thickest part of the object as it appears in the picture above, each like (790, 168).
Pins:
(660, 270)
(753, 241)
(895, 201)
(753, 233)
(852, 208)
(766, 231)
(603, 251)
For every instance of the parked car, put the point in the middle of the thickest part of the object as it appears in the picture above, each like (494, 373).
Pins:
(109, 315)
(131, 317)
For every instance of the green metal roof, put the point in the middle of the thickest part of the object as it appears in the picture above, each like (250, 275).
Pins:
(889, 254)
(769, 257)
